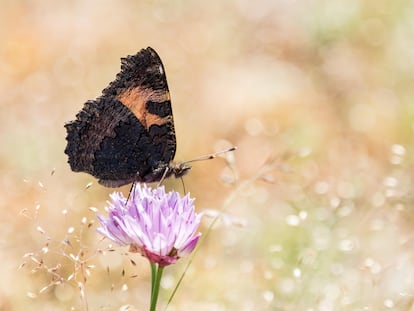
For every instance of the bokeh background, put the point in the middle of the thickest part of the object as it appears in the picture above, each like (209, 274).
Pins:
(315, 207)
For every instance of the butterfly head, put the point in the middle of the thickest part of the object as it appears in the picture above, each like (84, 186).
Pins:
(179, 169)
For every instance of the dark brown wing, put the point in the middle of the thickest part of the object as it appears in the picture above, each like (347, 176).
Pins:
(127, 134)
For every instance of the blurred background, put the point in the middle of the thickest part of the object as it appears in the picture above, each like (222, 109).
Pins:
(315, 207)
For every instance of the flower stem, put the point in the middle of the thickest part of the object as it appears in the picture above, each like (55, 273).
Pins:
(153, 274)
(156, 274)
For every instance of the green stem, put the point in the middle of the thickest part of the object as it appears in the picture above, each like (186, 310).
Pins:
(156, 280)
(153, 274)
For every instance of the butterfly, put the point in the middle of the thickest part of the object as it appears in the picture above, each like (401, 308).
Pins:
(127, 134)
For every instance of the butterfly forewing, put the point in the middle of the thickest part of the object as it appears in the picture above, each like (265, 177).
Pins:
(126, 134)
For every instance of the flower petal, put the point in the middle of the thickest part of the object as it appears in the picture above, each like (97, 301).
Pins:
(161, 226)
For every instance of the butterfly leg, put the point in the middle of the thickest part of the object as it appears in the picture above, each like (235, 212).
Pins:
(182, 181)
(163, 176)
(130, 191)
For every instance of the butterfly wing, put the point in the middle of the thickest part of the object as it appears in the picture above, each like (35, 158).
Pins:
(127, 134)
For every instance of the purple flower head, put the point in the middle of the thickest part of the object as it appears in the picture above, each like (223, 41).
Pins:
(160, 226)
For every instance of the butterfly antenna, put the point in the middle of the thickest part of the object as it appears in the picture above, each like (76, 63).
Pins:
(210, 156)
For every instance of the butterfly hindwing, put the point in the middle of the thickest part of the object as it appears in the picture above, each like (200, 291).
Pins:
(127, 134)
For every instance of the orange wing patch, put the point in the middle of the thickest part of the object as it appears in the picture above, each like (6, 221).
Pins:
(136, 98)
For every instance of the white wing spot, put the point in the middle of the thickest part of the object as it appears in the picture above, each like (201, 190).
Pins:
(161, 70)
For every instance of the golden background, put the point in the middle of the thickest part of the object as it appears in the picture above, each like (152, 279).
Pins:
(316, 204)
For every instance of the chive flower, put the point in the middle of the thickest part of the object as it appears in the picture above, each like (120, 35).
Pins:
(160, 226)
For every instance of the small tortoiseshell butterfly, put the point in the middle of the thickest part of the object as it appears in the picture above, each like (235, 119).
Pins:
(127, 134)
